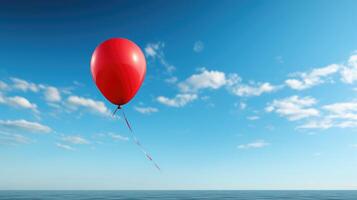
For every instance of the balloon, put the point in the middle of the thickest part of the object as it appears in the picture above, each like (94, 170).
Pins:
(118, 69)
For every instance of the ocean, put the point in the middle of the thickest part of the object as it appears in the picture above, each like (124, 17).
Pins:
(181, 194)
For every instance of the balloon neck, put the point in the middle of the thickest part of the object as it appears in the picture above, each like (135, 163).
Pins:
(119, 107)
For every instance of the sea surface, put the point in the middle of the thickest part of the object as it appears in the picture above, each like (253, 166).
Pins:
(188, 194)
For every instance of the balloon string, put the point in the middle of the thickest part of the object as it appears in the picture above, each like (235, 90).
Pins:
(115, 111)
(126, 120)
(136, 141)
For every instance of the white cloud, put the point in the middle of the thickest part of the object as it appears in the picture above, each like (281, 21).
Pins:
(146, 110)
(312, 78)
(118, 137)
(344, 110)
(75, 140)
(171, 80)
(13, 138)
(198, 46)
(253, 118)
(25, 125)
(346, 124)
(295, 84)
(340, 115)
(254, 145)
(213, 79)
(349, 72)
(179, 100)
(349, 75)
(317, 124)
(153, 49)
(93, 105)
(18, 102)
(65, 147)
(206, 79)
(52, 94)
(113, 136)
(24, 85)
(3, 86)
(242, 105)
(155, 52)
(294, 107)
(252, 90)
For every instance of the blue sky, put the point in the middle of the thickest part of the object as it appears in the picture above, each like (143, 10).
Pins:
(238, 95)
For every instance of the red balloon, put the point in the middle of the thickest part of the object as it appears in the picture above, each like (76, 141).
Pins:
(118, 69)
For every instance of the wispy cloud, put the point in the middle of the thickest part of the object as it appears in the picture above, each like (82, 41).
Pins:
(343, 110)
(146, 110)
(18, 102)
(317, 124)
(111, 136)
(317, 76)
(24, 85)
(25, 125)
(75, 139)
(294, 107)
(254, 145)
(206, 79)
(179, 100)
(152, 49)
(341, 115)
(52, 94)
(305, 80)
(253, 118)
(241, 105)
(171, 80)
(155, 51)
(213, 80)
(76, 102)
(198, 46)
(13, 138)
(118, 137)
(65, 147)
(255, 89)
(3, 86)
(349, 72)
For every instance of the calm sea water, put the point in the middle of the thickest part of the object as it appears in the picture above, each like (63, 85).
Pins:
(207, 195)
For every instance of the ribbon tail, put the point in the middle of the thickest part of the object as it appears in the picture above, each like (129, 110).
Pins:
(136, 141)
